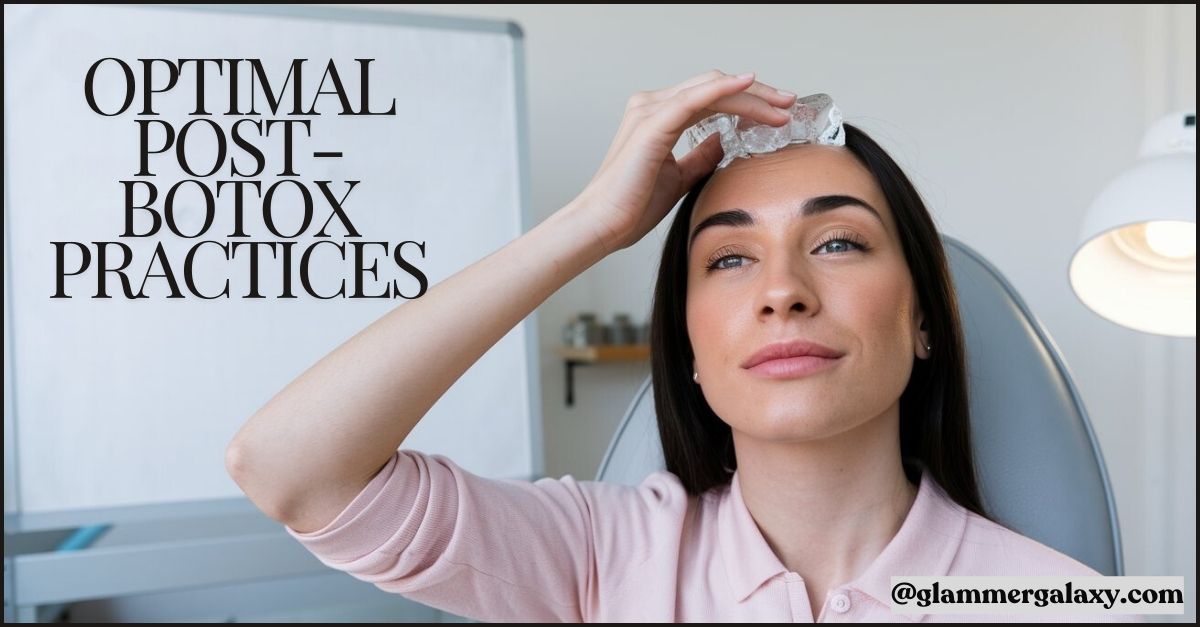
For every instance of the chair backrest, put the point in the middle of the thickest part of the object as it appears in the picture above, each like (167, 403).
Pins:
(1040, 469)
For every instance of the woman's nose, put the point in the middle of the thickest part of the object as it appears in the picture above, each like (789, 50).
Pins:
(786, 288)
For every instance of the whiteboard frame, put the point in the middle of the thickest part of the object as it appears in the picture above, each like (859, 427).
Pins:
(17, 521)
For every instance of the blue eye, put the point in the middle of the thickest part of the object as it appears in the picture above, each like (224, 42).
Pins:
(836, 244)
(716, 265)
(847, 241)
(725, 252)
(844, 247)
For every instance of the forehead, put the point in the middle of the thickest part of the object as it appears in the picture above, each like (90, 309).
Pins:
(782, 180)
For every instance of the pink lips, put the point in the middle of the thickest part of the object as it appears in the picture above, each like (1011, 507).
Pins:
(791, 367)
(787, 360)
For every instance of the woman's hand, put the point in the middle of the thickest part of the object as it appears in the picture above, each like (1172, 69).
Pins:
(640, 180)
(304, 456)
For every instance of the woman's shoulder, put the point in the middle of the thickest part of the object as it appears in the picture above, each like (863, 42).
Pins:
(990, 548)
(659, 497)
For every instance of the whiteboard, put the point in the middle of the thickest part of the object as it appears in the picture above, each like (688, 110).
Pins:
(114, 402)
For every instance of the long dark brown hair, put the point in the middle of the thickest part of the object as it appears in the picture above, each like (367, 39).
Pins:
(934, 413)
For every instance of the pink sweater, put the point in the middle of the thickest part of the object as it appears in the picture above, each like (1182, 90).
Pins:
(503, 550)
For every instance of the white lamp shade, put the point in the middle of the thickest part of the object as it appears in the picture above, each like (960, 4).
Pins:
(1136, 262)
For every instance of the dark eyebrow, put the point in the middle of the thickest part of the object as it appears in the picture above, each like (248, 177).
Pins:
(811, 207)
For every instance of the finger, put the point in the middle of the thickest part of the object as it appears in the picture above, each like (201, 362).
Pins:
(750, 103)
(699, 161)
(722, 95)
(630, 122)
(722, 92)
(746, 106)
(691, 82)
(772, 95)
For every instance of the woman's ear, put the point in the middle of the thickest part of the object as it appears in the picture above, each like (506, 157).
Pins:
(921, 340)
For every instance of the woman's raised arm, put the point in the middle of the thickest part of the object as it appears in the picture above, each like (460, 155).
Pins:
(316, 444)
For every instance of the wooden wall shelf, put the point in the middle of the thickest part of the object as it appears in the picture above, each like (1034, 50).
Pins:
(591, 354)
(604, 353)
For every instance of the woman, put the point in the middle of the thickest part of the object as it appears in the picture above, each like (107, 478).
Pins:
(809, 382)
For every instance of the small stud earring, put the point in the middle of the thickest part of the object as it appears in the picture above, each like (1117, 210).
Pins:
(696, 377)
(929, 347)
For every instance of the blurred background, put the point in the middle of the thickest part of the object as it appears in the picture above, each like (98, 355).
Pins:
(1008, 119)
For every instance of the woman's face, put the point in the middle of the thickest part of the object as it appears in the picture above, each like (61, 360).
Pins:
(789, 277)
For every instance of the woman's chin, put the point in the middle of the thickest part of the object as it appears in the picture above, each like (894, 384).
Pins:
(793, 420)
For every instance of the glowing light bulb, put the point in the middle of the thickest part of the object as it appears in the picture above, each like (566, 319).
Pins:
(1172, 239)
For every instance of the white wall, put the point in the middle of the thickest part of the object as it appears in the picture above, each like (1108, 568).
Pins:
(1008, 119)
